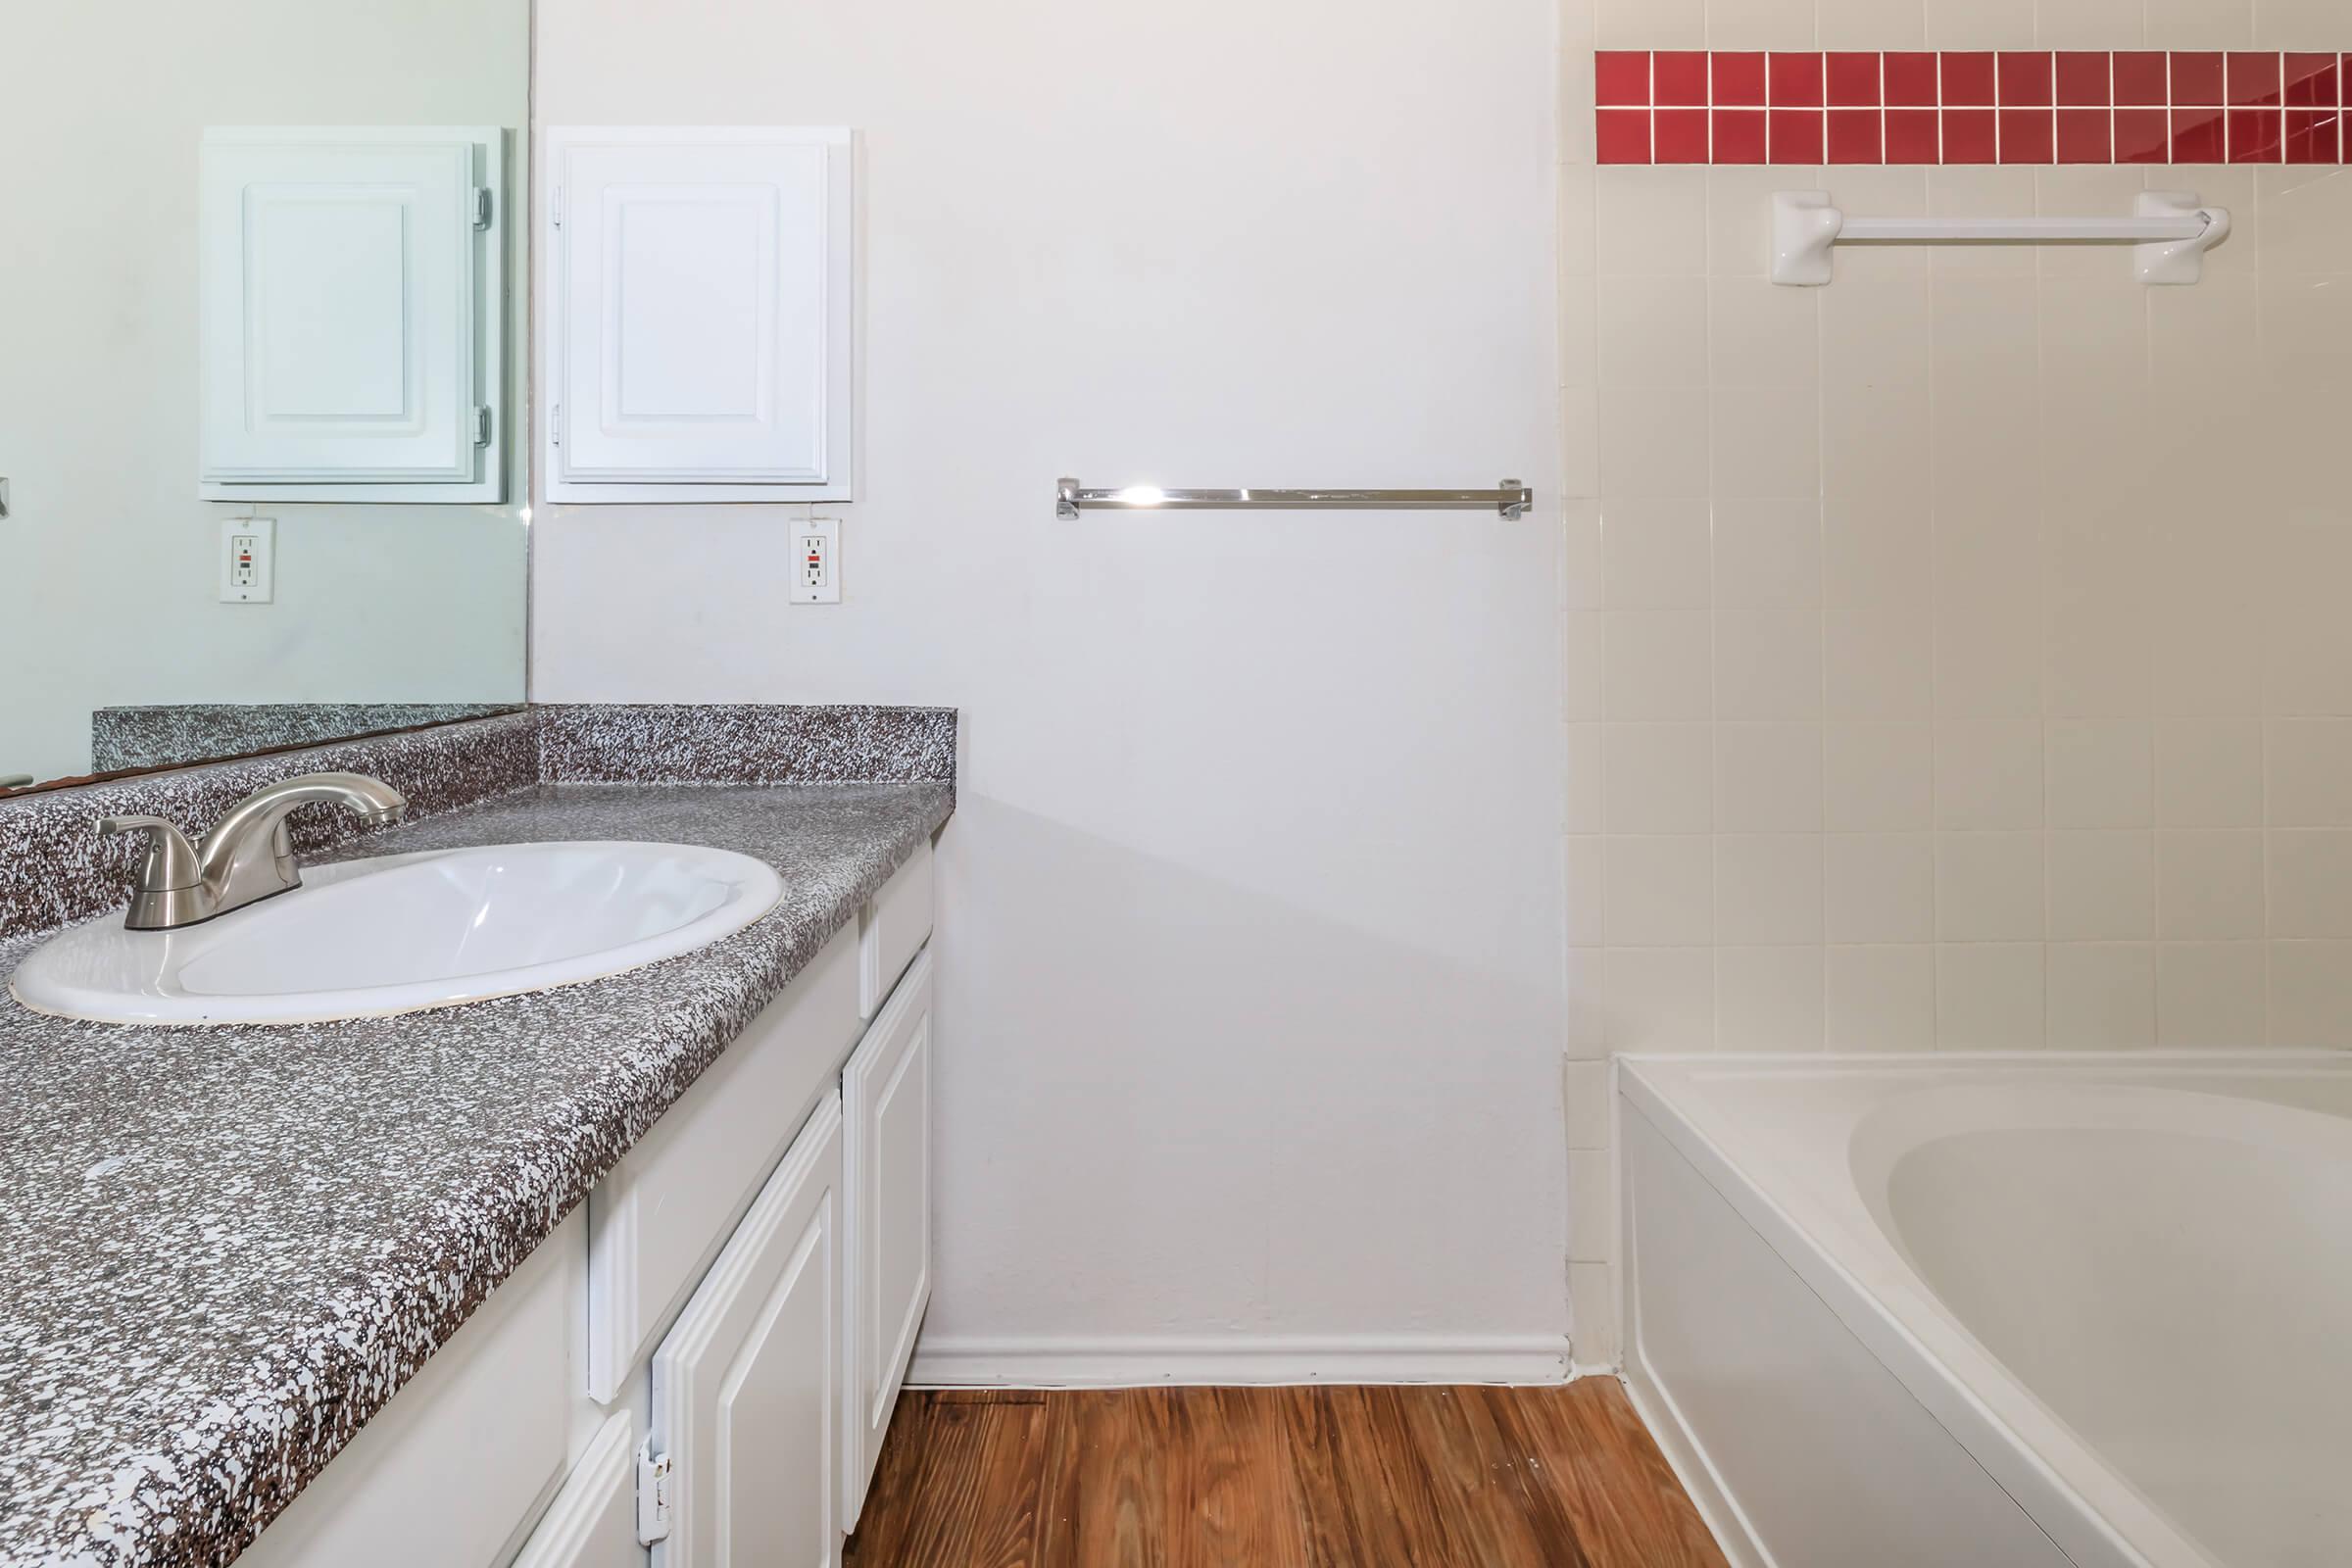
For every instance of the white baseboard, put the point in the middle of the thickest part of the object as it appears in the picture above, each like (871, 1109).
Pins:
(1142, 1361)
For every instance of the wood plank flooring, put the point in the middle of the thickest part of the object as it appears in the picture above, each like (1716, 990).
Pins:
(1275, 1477)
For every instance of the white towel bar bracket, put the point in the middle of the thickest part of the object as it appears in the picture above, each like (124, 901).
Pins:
(2170, 231)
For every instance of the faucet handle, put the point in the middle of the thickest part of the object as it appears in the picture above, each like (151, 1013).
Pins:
(171, 863)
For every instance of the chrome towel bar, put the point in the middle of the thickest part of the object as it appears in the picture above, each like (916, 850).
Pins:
(1509, 499)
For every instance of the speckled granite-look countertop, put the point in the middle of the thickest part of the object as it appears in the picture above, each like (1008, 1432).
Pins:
(223, 1250)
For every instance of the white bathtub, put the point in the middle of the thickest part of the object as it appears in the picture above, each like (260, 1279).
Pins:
(1997, 1311)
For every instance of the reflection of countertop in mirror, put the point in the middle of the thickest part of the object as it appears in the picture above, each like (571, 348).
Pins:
(231, 1246)
(167, 735)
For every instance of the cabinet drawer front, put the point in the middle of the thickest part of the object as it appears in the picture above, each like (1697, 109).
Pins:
(447, 1472)
(886, 1111)
(747, 1387)
(892, 929)
(662, 1214)
(593, 1521)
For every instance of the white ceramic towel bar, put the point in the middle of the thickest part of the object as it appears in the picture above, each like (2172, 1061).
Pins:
(2170, 233)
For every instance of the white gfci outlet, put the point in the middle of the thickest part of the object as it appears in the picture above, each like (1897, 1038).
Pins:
(248, 561)
(816, 561)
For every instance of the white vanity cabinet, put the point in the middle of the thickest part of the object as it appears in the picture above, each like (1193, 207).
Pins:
(698, 1372)
(886, 1104)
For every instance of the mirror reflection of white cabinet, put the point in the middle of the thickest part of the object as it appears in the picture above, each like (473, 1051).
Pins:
(350, 313)
(696, 314)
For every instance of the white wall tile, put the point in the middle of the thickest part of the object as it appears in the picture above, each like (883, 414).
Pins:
(1877, 777)
(1878, 553)
(1588, 1004)
(1649, 223)
(2311, 994)
(1584, 871)
(1990, 996)
(1661, 890)
(1591, 1211)
(1872, 24)
(1580, 553)
(1989, 887)
(1881, 999)
(1583, 807)
(2209, 885)
(2311, 882)
(1659, 664)
(1657, 554)
(1766, 443)
(1581, 638)
(1760, 25)
(1768, 777)
(1878, 887)
(1653, 442)
(1768, 553)
(1988, 773)
(2209, 772)
(2210, 995)
(2201, 23)
(1651, 24)
(1661, 778)
(2102, 996)
(2089, 23)
(1980, 23)
(2102, 885)
(1879, 662)
(1580, 440)
(1585, 1091)
(2311, 773)
(1768, 998)
(1764, 335)
(2100, 773)
(1768, 887)
(1652, 331)
(1592, 1314)
(1768, 664)
(1661, 999)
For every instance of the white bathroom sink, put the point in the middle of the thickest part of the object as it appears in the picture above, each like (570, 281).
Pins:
(366, 938)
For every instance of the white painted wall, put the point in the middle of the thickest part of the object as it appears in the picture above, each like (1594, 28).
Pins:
(1251, 993)
(107, 566)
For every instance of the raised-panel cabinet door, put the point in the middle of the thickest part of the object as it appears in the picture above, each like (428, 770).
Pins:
(350, 311)
(698, 312)
(886, 1104)
(747, 1387)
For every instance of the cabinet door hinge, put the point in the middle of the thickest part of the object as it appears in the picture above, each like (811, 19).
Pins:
(652, 1494)
(555, 424)
(481, 424)
(481, 206)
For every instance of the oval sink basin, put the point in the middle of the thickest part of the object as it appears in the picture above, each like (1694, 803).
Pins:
(366, 938)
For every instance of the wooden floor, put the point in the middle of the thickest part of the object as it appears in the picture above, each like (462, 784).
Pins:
(1277, 1478)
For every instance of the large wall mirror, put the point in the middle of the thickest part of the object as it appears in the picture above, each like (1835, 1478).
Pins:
(260, 353)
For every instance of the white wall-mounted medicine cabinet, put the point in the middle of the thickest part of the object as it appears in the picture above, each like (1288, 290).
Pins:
(352, 321)
(696, 320)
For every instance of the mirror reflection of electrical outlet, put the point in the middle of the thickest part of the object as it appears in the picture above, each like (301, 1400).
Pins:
(248, 561)
(816, 561)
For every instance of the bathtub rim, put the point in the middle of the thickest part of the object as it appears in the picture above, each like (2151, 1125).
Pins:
(2089, 1510)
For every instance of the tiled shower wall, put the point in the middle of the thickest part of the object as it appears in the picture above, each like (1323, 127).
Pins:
(1958, 656)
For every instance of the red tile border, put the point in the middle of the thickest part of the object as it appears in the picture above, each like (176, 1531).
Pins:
(2024, 107)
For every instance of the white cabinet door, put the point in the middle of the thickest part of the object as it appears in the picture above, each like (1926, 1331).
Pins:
(886, 1107)
(351, 315)
(747, 1388)
(697, 313)
(593, 1521)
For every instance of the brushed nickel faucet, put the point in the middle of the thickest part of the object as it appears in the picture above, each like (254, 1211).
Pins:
(248, 856)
